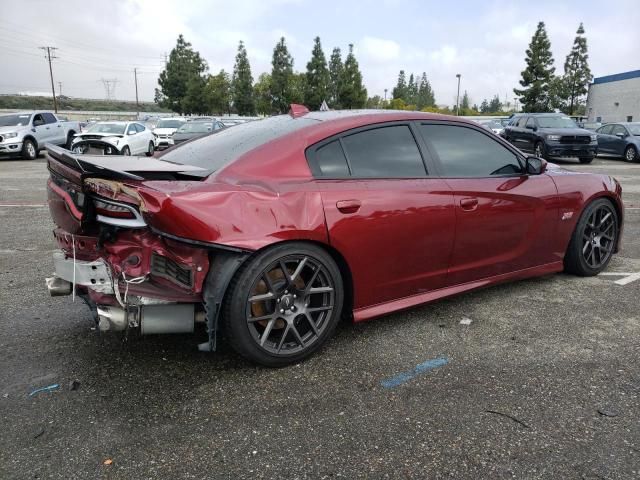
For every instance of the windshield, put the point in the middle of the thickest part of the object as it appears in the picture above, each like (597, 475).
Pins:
(14, 120)
(115, 128)
(212, 152)
(195, 127)
(556, 122)
(634, 128)
(493, 124)
(170, 123)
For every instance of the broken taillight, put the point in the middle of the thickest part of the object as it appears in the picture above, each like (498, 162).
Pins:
(112, 210)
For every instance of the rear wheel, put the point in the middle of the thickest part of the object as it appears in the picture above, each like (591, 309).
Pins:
(585, 160)
(631, 154)
(283, 304)
(125, 151)
(538, 150)
(593, 240)
(29, 150)
(150, 149)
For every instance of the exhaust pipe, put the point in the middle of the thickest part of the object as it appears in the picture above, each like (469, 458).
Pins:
(152, 319)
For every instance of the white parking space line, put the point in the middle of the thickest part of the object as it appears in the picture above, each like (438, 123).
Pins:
(32, 205)
(628, 277)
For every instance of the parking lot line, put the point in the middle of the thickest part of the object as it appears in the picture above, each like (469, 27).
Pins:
(423, 367)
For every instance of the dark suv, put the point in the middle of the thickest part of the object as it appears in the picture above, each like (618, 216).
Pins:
(549, 135)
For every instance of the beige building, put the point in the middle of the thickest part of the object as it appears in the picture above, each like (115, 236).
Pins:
(615, 98)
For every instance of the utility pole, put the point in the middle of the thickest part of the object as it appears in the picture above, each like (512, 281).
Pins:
(458, 96)
(53, 90)
(385, 94)
(59, 89)
(135, 75)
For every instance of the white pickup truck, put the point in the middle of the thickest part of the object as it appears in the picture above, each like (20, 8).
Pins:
(25, 134)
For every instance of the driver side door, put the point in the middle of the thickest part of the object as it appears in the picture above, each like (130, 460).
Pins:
(506, 220)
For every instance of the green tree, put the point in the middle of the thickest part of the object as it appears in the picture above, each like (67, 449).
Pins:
(297, 89)
(194, 99)
(538, 75)
(484, 106)
(577, 73)
(412, 90)
(242, 84)
(374, 102)
(281, 77)
(183, 68)
(426, 98)
(217, 93)
(262, 94)
(352, 93)
(495, 105)
(465, 104)
(400, 90)
(317, 82)
(335, 77)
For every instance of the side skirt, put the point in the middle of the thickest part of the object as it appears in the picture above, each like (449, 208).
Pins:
(367, 313)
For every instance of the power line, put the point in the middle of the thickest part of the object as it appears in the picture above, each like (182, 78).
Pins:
(110, 87)
(53, 90)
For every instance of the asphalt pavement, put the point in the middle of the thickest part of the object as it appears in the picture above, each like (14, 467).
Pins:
(534, 379)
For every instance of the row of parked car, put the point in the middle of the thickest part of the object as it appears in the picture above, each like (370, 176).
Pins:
(25, 134)
(554, 135)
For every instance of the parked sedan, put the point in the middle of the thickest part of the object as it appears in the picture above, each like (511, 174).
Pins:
(195, 129)
(274, 229)
(620, 139)
(115, 138)
(493, 125)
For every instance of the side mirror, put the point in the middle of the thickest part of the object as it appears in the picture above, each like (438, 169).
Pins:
(535, 165)
(620, 135)
(131, 133)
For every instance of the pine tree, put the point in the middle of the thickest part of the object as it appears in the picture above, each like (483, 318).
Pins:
(242, 84)
(426, 97)
(464, 106)
(193, 101)
(495, 105)
(317, 78)
(281, 77)
(262, 94)
(537, 77)
(352, 93)
(400, 90)
(185, 66)
(412, 90)
(217, 93)
(484, 106)
(577, 74)
(335, 75)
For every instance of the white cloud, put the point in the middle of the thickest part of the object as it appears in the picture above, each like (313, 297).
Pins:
(379, 49)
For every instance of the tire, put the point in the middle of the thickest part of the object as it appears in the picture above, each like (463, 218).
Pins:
(538, 150)
(631, 154)
(29, 150)
(285, 304)
(150, 150)
(69, 140)
(586, 160)
(596, 234)
(125, 151)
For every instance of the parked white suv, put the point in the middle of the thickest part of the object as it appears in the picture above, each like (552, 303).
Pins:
(165, 129)
(115, 138)
(25, 134)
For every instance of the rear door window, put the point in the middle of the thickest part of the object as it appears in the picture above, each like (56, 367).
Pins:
(606, 130)
(49, 117)
(330, 161)
(384, 152)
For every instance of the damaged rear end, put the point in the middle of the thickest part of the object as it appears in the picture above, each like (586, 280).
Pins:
(131, 274)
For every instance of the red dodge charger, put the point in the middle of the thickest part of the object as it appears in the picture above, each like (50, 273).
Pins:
(270, 231)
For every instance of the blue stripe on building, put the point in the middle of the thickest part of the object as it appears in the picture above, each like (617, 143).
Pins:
(617, 77)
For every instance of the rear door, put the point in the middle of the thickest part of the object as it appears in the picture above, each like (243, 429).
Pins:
(506, 220)
(56, 131)
(133, 139)
(605, 139)
(619, 136)
(529, 135)
(517, 135)
(392, 221)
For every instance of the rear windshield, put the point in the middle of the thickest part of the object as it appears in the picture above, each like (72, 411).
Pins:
(215, 151)
(195, 127)
(115, 128)
(634, 128)
(170, 123)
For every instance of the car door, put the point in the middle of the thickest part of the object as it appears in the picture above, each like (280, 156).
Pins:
(619, 136)
(517, 135)
(143, 137)
(56, 132)
(605, 139)
(42, 131)
(529, 135)
(392, 222)
(506, 220)
(132, 139)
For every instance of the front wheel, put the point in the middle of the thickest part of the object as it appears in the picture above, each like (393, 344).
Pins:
(29, 150)
(586, 160)
(593, 240)
(631, 154)
(151, 149)
(125, 151)
(283, 304)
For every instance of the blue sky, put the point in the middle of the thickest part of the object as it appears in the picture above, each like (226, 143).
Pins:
(485, 41)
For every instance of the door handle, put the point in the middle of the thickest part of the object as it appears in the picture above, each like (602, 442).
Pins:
(469, 204)
(348, 206)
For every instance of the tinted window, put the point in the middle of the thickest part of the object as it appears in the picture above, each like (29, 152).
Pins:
(139, 128)
(214, 151)
(618, 129)
(38, 119)
(49, 118)
(465, 152)
(132, 129)
(386, 152)
(522, 121)
(330, 160)
(531, 122)
(606, 130)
